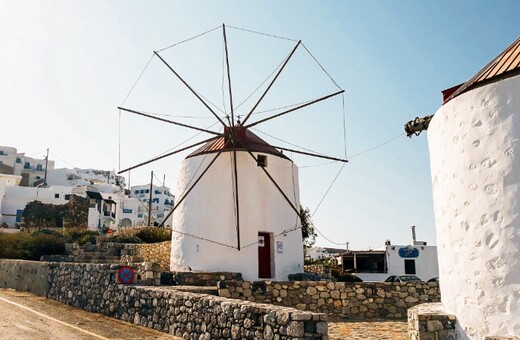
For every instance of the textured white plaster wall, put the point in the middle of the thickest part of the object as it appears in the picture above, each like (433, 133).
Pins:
(209, 212)
(475, 163)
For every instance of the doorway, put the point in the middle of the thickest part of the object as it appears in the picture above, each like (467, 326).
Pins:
(264, 255)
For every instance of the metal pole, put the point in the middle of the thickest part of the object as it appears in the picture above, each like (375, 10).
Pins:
(150, 202)
(46, 163)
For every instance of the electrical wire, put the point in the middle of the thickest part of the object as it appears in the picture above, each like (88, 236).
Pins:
(281, 140)
(378, 145)
(321, 66)
(138, 78)
(189, 39)
(61, 159)
(260, 33)
(328, 189)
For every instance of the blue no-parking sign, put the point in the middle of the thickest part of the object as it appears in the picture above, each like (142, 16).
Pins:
(125, 275)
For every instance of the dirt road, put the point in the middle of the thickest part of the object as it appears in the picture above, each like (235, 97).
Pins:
(26, 316)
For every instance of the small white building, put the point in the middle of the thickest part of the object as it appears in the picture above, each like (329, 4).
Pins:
(162, 202)
(83, 177)
(205, 237)
(15, 199)
(31, 169)
(318, 253)
(417, 259)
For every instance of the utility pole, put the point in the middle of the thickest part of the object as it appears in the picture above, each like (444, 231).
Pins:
(46, 162)
(150, 202)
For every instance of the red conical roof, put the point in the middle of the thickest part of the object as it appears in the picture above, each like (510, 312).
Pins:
(246, 140)
(506, 64)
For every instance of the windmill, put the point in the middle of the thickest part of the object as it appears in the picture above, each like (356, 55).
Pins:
(237, 204)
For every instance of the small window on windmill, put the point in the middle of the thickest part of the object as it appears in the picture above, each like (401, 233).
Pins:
(261, 160)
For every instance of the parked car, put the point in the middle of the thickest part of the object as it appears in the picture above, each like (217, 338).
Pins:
(434, 279)
(403, 278)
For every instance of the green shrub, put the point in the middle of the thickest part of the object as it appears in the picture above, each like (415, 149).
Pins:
(345, 277)
(87, 238)
(124, 239)
(75, 234)
(154, 234)
(27, 246)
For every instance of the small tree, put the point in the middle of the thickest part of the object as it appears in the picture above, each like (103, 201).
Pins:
(308, 233)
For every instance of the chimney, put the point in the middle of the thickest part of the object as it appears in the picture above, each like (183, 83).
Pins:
(413, 234)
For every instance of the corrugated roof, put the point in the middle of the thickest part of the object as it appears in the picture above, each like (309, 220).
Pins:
(245, 140)
(506, 64)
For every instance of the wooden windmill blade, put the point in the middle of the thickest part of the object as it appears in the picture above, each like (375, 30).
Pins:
(233, 140)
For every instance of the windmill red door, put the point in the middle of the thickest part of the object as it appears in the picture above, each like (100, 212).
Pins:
(264, 255)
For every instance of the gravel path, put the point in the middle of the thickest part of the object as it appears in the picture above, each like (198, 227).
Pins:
(27, 316)
(367, 330)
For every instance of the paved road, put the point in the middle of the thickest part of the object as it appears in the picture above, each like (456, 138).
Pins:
(26, 316)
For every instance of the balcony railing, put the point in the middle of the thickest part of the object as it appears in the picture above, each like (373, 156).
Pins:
(109, 214)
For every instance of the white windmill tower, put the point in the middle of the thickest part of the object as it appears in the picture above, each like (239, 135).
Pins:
(238, 204)
(474, 154)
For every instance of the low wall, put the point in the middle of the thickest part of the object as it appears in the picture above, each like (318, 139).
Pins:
(26, 276)
(363, 299)
(148, 252)
(429, 321)
(92, 287)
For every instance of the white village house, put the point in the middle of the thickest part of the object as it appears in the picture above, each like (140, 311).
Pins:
(205, 233)
(417, 259)
(162, 202)
(111, 206)
(31, 169)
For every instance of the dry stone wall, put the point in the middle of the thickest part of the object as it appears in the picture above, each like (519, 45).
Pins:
(429, 321)
(363, 299)
(148, 252)
(93, 288)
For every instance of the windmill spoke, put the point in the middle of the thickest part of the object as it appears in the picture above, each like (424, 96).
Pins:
(169, 121)
(236, 195)
(191, 89)
(168, 154)
(229, 77)
(272, 82)
(190, 189)
(276, 185)
(306, 153)
(295, 108)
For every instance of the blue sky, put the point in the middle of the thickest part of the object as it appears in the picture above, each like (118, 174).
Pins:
(65, 66)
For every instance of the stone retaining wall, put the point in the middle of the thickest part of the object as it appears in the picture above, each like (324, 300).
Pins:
(204, 278)
(148, 252)
(363, 299)
(92, 287)
(429, 321)
(25, 276)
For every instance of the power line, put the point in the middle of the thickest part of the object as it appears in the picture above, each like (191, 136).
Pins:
(260, 33)
(378, 145)
(189, 39)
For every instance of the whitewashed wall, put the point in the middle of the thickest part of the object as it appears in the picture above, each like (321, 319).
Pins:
(474, 153)
(209, 212)
(16, 198)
